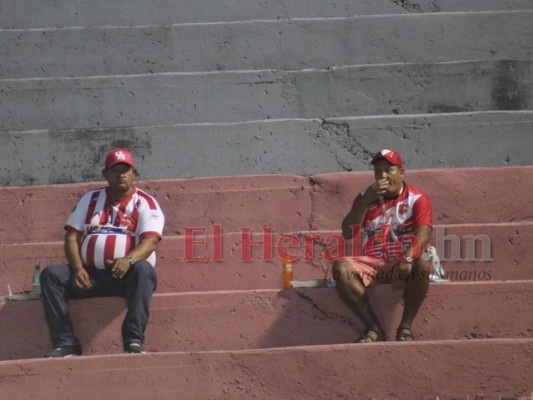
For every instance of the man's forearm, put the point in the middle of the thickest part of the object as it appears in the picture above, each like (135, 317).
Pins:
(422, 236)
(72, 250)
(355, 217)
(147, 246)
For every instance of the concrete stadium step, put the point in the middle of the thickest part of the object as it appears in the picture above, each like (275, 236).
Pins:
(491, 368)
(458, 195)
(14, 13)
(469, 253)
(285, 202)
(484, 369)
(166, 99)
(283, 146)
(258, 45)
(231, 320)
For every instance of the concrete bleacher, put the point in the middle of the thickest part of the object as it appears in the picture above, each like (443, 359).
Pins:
(265, 114)
(236, 307)
(291, 86)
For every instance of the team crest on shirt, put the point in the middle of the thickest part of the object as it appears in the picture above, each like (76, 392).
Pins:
(403, 208)
(127, 222)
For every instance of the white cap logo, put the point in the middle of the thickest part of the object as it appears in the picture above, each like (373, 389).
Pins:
(120, 155)
(384, 152)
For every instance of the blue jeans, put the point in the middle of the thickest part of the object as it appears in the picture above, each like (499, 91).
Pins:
(137, 287)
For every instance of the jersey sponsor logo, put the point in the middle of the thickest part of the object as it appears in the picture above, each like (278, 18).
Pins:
(106, 230)
(376, 227)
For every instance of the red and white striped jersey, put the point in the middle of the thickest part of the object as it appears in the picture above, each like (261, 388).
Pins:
(111, 230)
(403, 213)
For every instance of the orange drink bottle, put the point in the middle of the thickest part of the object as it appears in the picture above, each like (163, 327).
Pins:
(287, 273)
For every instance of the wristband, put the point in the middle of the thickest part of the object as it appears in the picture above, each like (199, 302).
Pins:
(130, 259)
(408, 260)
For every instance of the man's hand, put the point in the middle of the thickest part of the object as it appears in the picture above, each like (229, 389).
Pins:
(403, 270)
(357, 214)
(375, 190)
(119, 267)
(81, 280)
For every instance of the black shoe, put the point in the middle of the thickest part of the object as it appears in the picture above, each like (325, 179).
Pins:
(134, 347)
(65, 351)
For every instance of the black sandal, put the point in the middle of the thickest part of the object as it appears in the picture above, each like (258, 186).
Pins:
(405, 335)
(366, 338)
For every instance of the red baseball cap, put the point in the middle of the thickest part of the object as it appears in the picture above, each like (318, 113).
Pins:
(389, 155)
(119, 156)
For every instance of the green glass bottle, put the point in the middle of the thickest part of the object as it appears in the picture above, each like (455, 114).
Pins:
(36, 279)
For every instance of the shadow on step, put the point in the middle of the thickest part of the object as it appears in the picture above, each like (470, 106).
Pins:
(25, 335)
(317, 316)
(193, 322)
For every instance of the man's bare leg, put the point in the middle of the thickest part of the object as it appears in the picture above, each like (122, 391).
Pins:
(416, 288)
(354, 294)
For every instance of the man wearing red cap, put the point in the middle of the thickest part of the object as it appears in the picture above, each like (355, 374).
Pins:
(395, 221)
(110, 244)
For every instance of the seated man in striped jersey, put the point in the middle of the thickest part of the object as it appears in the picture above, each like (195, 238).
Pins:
(110, 244)
(395, 223)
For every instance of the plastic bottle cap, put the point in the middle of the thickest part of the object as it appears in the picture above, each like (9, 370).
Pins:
(287, 260)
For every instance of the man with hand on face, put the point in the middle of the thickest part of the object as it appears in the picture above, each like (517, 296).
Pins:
(395, 221)
(110, 244)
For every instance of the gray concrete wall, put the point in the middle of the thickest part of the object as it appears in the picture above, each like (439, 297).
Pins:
(233, 87)
(165, 99)
(21, 14)
(258, 45)
(67, 13)
(289, 146)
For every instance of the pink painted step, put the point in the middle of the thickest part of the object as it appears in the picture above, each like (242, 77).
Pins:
(38, 213)
(285, 202)
(458, 195)
(233, 320)
(488, 369)
(465, 259)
